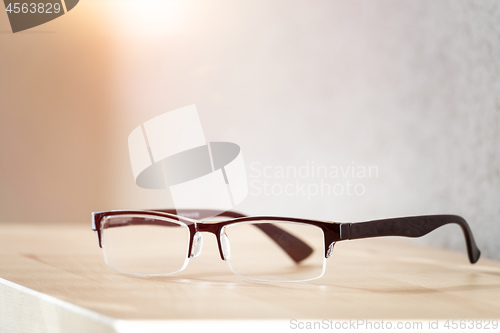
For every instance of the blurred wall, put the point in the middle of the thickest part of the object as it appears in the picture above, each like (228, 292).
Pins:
(54, 119)
(410, 89)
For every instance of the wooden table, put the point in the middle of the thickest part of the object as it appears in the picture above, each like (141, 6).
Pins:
(53, 279)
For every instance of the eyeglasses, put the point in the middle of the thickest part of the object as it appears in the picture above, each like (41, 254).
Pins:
(265, 248)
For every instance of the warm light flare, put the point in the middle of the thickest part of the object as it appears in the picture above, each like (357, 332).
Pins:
(146, 17)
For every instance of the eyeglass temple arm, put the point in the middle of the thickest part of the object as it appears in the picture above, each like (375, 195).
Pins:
(294, 247)
(414, 226)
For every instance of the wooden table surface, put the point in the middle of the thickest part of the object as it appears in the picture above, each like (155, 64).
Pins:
(53, 277)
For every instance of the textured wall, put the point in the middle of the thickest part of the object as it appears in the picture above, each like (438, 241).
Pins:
(411, 88)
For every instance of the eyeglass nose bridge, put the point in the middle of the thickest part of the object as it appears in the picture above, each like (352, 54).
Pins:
(216, 229)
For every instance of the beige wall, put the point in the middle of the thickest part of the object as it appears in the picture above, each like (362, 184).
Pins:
(411, 88)
(55, 111)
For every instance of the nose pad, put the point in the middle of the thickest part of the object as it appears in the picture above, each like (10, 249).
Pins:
(225, 246)
(329, 252)
(197, 245)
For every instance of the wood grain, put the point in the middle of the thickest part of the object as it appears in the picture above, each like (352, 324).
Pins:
(54, 275)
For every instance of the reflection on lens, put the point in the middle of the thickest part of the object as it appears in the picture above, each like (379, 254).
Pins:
(261, 255)
(139, 244)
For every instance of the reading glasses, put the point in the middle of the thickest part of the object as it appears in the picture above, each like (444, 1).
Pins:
(266, 248)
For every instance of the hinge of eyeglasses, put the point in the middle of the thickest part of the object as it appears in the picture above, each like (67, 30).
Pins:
(345, 231)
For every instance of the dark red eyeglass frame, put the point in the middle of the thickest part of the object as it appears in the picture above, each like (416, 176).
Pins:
(413, 226)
